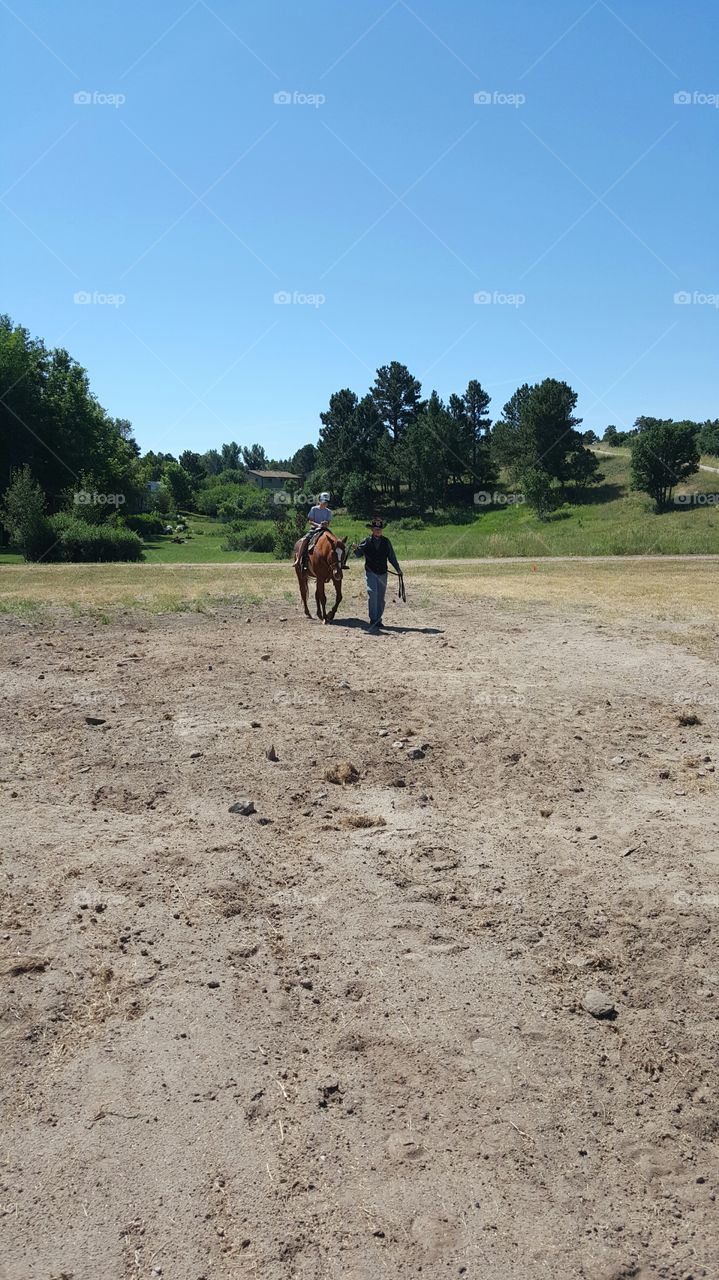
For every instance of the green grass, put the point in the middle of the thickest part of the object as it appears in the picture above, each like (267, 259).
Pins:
(205, 544)
(614, 521)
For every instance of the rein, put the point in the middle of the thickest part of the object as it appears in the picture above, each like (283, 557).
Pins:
(400, 585)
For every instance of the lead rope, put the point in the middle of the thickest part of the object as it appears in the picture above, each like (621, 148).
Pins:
(400, 585)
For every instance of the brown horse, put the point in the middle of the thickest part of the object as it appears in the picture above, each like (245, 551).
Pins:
(325, 562)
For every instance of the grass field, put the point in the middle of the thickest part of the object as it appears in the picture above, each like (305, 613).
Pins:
(615, 521)
(670, 592)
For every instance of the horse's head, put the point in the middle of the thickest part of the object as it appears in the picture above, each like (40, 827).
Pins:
(341, 553)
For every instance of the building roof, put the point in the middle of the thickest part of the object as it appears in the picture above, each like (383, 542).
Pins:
(274, 475)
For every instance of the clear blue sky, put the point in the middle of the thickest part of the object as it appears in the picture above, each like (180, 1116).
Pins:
(397, 199)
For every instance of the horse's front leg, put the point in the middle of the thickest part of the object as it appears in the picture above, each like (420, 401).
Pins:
(337, 582)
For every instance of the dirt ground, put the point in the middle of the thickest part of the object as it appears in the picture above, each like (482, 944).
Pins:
(344, 1035)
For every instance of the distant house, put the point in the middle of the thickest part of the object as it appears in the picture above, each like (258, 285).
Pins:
(153, 486)
(271, 479)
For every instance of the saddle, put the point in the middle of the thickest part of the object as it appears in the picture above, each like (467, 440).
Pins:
(311, 539)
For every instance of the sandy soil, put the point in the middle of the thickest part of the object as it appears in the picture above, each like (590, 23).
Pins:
(344, 1035)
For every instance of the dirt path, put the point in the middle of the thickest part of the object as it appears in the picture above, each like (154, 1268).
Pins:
(611, 453)
(457, 562)
(344, 1035)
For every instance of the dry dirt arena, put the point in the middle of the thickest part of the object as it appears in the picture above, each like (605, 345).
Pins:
(344, 1035)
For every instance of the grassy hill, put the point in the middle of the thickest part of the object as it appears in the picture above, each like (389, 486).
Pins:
(614, 521)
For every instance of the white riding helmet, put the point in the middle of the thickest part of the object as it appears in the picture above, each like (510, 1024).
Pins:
(324, 497)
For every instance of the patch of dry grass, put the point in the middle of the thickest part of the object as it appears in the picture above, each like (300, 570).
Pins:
(665, 590)
(660, 590)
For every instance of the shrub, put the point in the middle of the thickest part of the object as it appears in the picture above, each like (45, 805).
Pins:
(538, 492)
(145, 524)
(233, 501)
(80, 542)
(262, 540)
(286, 534)
(23, 515)
(253, 503)
(456, 515)
(410, 522)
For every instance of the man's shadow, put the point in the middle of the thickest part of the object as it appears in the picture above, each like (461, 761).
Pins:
(356, 624)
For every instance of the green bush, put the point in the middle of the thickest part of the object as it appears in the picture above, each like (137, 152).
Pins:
(456, 515)
(80, 542)
(286, 535)
(234, 501)
(254, 503)
(262, 540)
(23, 515)
(409, 523)
(208, 500)
(539, 495)
(145, 524)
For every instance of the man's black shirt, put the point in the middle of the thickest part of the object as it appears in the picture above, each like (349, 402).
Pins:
(377, 551)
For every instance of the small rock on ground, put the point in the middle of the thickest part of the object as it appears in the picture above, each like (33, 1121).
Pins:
(599, 1004)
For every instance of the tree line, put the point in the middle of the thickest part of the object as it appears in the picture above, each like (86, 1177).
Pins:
(391, 447)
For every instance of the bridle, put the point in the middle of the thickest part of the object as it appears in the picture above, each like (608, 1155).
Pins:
(341, 557)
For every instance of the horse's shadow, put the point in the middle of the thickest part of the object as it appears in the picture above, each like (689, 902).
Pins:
(356, 624)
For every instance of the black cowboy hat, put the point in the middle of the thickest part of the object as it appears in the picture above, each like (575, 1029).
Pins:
(376, 523)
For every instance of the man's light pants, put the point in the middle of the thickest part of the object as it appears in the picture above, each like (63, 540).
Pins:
(376, 590)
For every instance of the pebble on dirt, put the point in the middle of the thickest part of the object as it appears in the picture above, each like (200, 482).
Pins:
(271, 754)
(416, 753)
(243, 806)
(599, 1004)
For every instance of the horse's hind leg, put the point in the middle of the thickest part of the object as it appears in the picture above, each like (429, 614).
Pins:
(321, 599)
(302, 580)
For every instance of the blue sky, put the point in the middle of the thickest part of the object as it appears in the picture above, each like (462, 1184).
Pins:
(183, 188)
